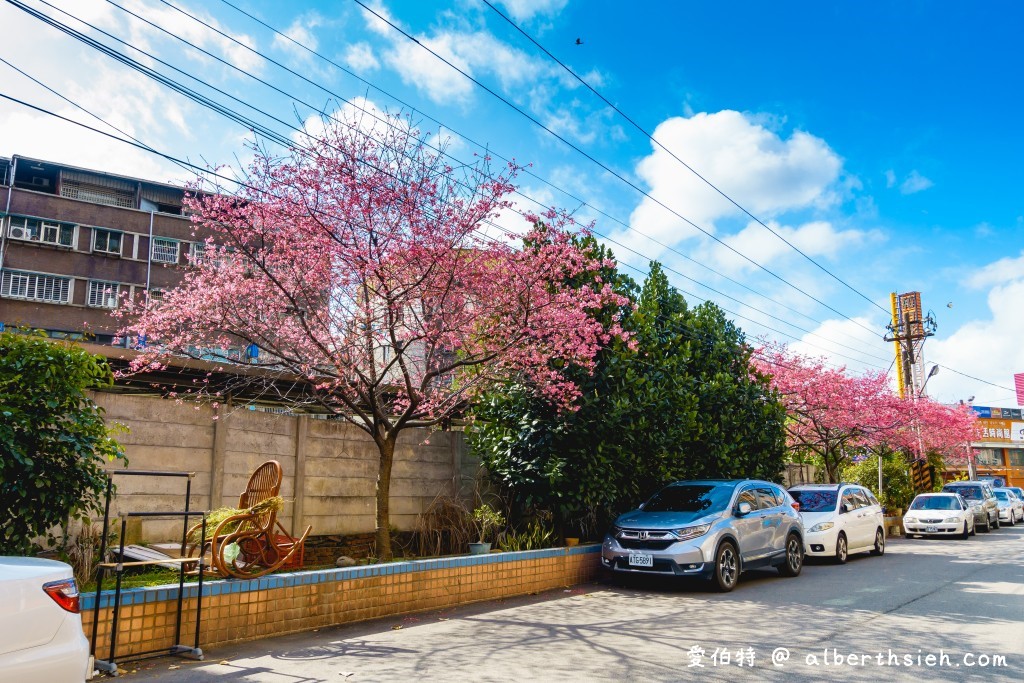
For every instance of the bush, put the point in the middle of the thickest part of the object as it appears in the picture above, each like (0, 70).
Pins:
(53, 440)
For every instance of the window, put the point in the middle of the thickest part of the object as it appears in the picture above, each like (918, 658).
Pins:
(989, 456)
(35, 286)
(767, 498)
(165, 250)
(861, 499)
(849, 503)
(102, 294)
(37, 230)
(1015, 456)
(106, 241)
(197, 252)
(747, 496)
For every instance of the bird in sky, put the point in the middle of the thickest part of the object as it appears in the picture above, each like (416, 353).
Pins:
(579, 41)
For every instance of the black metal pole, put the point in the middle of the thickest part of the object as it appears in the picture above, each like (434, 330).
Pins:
(117, 593)
(100, 569)
(199, 598)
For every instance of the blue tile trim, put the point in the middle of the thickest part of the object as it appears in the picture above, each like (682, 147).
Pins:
(134, 596)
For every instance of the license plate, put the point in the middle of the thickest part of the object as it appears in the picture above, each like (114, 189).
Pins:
(931, 529)
(641, 560)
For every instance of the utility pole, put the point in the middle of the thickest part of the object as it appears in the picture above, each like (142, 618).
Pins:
(908, 330)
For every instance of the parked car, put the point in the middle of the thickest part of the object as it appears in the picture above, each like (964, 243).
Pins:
(41, 635)
(1016, 489)
(1011, 508)
(939, 514)
(715, 529)
(979, 496)
(840, 519)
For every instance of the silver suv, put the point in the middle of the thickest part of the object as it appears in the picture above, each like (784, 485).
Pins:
(978, 494)
(713, 528)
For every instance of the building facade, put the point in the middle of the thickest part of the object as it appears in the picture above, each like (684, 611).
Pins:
(74, 241)
(998, 446)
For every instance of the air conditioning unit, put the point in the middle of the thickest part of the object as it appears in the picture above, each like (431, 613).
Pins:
(19, 232)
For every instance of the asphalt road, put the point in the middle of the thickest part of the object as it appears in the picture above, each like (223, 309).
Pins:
(960, 601)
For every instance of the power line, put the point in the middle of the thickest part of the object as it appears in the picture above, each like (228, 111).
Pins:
(604, 166)
(547, 182)
(268, 133)
(186, 164)
(683, 163)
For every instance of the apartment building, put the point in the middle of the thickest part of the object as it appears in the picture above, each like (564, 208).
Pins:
(73, 241)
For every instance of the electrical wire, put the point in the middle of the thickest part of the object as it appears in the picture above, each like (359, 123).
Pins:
(604, 166)
(268, 133)
(679, 160)
(575, 199)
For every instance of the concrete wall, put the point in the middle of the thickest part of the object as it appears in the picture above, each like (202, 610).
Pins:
(330, 467)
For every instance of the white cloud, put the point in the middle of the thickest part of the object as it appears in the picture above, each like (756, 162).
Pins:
(1003, 271)
(360, 57)
(987, 347)
(890, 178)
(915, 182)
(767, 174)
(177, 24)
(476, 53)
(524, 10)
(377, 23)
(846, 343)
(301, 32)
(816, 239)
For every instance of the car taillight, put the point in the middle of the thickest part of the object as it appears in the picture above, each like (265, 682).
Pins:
(796, 506)
(64, 593)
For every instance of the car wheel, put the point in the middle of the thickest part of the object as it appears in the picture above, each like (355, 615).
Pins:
(794, 556)
(995, 522)
(974, 527)
(1011, 522)
(965, 535)
(988, 524)
(727, 567)
(842, 549)
(879, 548)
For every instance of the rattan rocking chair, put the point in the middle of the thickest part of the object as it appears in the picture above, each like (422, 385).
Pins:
(262, 544)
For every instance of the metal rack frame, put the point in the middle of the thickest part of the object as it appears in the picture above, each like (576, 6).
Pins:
(109, 665)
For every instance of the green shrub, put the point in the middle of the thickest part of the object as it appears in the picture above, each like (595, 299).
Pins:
(53, 440)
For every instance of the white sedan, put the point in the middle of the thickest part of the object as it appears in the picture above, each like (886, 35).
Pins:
(939, 514)
(41, 635)
(1011, 508)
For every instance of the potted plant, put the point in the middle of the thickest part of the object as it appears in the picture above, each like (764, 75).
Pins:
(486, 520)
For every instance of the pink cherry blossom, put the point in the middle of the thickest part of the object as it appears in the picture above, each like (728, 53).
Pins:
(359, 264)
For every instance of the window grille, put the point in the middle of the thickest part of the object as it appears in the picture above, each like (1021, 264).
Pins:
(102, 294)
(165, 251)
(35, 286)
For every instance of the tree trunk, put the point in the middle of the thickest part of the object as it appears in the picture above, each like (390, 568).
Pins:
(383, 538)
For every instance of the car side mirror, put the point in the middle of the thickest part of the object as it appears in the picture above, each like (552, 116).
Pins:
(743, 509)
(845, 507)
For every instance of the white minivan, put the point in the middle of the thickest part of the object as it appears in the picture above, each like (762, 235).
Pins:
(840, 519)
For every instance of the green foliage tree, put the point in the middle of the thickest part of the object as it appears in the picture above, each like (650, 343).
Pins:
(53, 440)
(897, 488)
(679, 401)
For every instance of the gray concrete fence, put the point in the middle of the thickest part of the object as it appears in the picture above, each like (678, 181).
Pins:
(330, 466)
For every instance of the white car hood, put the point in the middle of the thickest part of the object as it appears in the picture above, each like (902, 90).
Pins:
(812, 518)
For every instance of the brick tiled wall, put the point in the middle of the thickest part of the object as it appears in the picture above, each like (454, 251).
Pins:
(285, 603)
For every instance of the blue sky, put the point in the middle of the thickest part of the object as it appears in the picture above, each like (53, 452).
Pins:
(882, 139)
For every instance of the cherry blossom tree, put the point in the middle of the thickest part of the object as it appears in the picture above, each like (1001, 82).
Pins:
(359, 264)
(833, 414)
